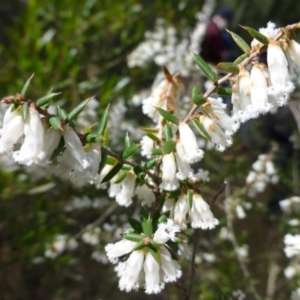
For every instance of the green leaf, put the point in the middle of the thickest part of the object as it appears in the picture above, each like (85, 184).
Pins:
(25, 109)
(46, 99)
(60, 149)
(139, 246)
(103, 122)
(26, 86)
(144, 213)
(240, 59)
(162, 219)
(155, 254)
(77, 110)
(240, 42)
(130, 151)
(200, 128)
(120, 178)
(169, 146)
(133, 237)
(62, 113)
(168, 116)
(173, 253)
(168, 132)
(224, 91)
(127, 141)
(112, 172)
(147, 227)
(206, 68)
(157, 151)
(55, 122)
(197, 97)
(152, 136)
(228, 67)
(135, 224)
(151, 163)
(257, 35)
(190, 199)
(103, 161)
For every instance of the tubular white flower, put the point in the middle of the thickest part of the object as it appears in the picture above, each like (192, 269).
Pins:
(51, 141)
(279, 74)
(165, 232)
(124, 197)
(168, 205)
(113, 251)
(129, 277)
(293, 51)
(74, 146)
(170, 267)
(244, 88)
(292, 245)
(31, 149)
(169, 180)
(94, 159)
(184, 168)
(217, 135)
(259, 91)
(13, 129)
(189, 143)
(145, 194)
(147, 145)
(151, 267)
(180, 210)
(201, 215)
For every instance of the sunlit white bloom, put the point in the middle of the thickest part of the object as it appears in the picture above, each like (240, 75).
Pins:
(240, 212)
(292, 245)
(294, 222)
(145, 194)
(56, 247)
(170, 267)
(94, 159)
(201, 175)
(184, 168)
(165, 232)
(216, 110)
(180, 210)
(102, 174)
(51, 140)
(218, 136)
(31, 149)
(114, 251)
(201, 215)
(290, 272)
(269, 31)
(168, 205)
(124, 197)
(72, 244)
(169, 180)
(13, 129)
(281, 84)
(189, 143)
(74, 147)
(293, 51)
(147, 145)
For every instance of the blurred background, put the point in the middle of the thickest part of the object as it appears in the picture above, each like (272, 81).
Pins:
(81, 49)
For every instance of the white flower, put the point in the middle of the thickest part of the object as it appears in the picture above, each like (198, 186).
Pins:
(165, 232)
(124, 196)
(292, 245)
(240, 212)
(51, 140)
(180, 210)
(201, 215)
(169, 180)
(170, 267)
(94, 159)
(145, 194)
(57, 246)
(279, 73)
(91, 236)
(147, 145)
(74, 147)
(31, 149)
(293, 51)
(113, 251)
(13, 129)
(184, 168)
(201, 175)
(189, 143)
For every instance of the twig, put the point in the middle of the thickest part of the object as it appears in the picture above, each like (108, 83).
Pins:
(271, 285)
(218, 193)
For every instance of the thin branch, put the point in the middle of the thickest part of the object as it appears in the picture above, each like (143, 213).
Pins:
(272, 278)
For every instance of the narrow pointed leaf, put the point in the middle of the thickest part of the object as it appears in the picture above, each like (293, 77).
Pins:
(135, 224)
(157, 151)
(173, 254)
(169, 146)
(240, 42)
(60, 149)
(140, 245)
(168, 116)
(130, 151)
(155, 254)
(147, 227)
(190, 199)
(257, 35)
(224, 91)
(240, 59)
(168, 132)
(200, 128)
(120, 178)
(77, 110)
(162, 219)
(151, 163)
(133, 237)
(197, 96)
(152, 136)
(55, 122)
(46, 99)
(26, 86)
(228, 67)
(25, 109)
(206, 68)
(62, 113)
(144, 213)
(103, 122)
(127, 141)
(103, 161)
(112, 172)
